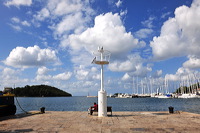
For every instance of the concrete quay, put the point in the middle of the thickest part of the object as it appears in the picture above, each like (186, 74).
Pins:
(119, 122)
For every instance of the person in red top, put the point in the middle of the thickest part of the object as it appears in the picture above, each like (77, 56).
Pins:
(91, 109)
(95, 106)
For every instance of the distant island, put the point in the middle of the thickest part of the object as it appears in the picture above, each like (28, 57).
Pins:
(40, 91)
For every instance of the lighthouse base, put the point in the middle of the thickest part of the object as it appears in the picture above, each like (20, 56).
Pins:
(102, 103)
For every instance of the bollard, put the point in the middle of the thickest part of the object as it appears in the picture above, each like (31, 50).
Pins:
(42, 110)
(171, 109)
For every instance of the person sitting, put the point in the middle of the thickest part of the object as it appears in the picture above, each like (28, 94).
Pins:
(93, 108)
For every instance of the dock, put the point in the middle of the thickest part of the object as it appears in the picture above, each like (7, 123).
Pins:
(119, 122)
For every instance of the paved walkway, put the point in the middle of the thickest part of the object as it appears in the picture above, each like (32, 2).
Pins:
(119, 122)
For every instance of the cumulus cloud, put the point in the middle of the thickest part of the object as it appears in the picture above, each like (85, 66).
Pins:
(63, 76)
(81, 74)
(42, 70)
(59, 7)
(74, 18)
(122, 66)
(141, 70)
(109, 29)
(193, 62)
(10, 77)
(179, 35)
(18, 3)
(31, 57)
(70, 23)
(7, 73)
(43, 75)
(183, 74)
(128, 65)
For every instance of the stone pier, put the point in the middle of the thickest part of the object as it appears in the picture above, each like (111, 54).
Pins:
(119, 122)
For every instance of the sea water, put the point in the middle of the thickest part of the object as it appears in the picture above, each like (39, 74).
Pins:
(80, 103)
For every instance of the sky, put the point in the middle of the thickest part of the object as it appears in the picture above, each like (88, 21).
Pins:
(152, 43)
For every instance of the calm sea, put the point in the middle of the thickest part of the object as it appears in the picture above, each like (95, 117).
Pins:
(78, 103)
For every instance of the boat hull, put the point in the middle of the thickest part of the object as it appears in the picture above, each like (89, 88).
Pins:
(7, 106)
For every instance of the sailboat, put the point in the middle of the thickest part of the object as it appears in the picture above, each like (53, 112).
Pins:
(192, 89)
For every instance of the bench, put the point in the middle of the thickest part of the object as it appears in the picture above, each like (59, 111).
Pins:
(92, 109)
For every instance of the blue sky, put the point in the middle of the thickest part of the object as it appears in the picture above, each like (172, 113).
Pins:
(51, 42)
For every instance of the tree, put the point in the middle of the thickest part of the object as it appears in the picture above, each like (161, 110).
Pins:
(40, 91)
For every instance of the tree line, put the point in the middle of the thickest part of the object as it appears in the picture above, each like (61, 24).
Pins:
(40, 91)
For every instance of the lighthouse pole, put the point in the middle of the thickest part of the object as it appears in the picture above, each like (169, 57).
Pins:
(102, 96)
(102, 58)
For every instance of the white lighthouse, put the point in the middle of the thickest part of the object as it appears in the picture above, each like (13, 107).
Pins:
(102, 57)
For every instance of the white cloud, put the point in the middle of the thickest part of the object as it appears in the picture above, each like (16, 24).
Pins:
(10, 77)
(81, 73)
(126, 77)
(108, 29)
(183, 74)
(81, 57)
(15, 19)
(141, 70)
(17, 23)
(74, 16)
(128, 65)
(118, 3)
(179, 35)
(18, 3)
(69, 23)
(31, 57)
(43, 14)
(63, 76)
(123, 12)
(59, 7)
(25, 23)
(164, 15)
(143, 33)
(16, 27)
(149, 23)
(193, 62)
(7, 73)
(42, 70)
(157, 74)
(94, 69)
(44, 78)
(122, 66)
(43, 75)
(172, 77)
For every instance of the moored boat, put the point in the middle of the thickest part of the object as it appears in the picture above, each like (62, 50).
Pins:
(189, 96)
(7, 105)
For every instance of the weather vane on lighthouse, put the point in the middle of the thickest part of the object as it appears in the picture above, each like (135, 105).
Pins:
(102, 57)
